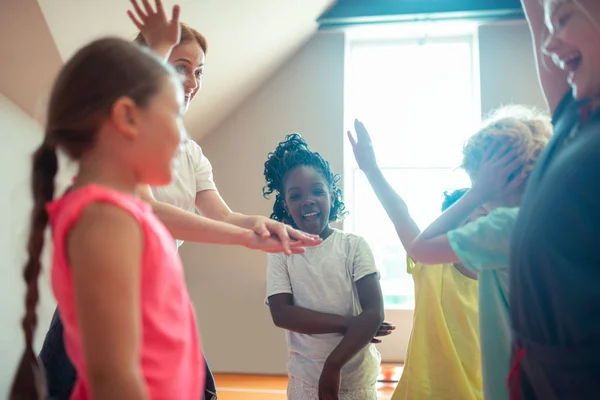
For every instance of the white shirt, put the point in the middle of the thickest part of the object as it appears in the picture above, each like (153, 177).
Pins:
(323, 279)
(192, 175)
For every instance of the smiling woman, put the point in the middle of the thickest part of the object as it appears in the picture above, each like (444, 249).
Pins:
(188, 58)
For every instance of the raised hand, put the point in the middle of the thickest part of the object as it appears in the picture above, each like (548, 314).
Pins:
(362, 147)
(159, 32)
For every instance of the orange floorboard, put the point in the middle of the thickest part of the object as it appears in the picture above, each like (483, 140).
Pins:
(258, 387)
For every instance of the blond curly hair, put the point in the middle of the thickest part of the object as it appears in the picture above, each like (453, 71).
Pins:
(520, 127)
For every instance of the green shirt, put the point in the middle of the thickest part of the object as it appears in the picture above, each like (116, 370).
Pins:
(483, 247)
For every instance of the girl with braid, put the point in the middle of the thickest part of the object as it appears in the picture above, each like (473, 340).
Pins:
(328, 299)
(191, 190)
(130, 329)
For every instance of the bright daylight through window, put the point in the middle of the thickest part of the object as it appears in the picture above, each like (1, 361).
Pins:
(419, 99)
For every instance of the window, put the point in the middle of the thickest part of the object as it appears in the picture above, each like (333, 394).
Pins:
(419, 99)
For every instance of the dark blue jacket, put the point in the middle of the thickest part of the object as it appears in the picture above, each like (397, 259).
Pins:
(61, 375)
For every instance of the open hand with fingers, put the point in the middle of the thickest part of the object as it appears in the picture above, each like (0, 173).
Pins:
(362, 147)
(272, 244)
(160, 33)
(287, 239)
(499, 173)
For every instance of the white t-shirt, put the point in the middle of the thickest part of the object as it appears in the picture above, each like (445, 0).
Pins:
(323, 279)
(193, 175)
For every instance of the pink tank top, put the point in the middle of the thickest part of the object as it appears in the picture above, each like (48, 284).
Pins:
(170, 355)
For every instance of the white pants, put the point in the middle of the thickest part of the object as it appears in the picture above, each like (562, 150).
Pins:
(299, 390)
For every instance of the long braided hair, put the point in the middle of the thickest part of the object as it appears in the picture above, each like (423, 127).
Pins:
(83, 95)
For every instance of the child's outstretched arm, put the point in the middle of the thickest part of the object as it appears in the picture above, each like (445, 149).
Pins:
(493, 180)
(361, 330)
(184, 225)
(104, 249)
(211, 205)
(394, 205)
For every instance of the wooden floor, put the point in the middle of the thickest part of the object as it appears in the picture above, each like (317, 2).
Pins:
(255, 387)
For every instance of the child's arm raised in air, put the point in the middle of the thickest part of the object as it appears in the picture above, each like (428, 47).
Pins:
(493, 181)
(394, 205)
(104, 249)
(552, 79)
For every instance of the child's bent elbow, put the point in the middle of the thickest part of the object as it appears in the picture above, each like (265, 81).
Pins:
(417, 253)
(278, 319)
(277, 322)
(414, 254)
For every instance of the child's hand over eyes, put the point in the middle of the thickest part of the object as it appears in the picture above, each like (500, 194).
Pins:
(499, 173)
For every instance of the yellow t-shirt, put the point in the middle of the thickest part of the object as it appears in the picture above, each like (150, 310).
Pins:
(443, 360)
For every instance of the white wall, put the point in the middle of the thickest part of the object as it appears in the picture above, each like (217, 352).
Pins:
(306, 95)
(20, 136)
(507, 67)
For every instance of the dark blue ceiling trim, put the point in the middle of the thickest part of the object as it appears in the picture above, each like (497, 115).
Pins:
(346, 13)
